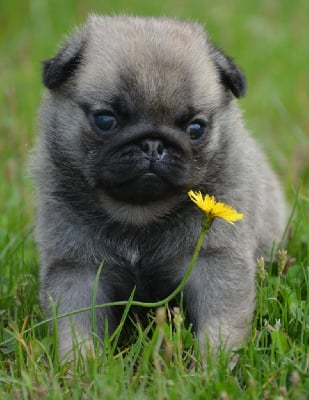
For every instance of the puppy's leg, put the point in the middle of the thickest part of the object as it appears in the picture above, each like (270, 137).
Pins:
(70, 287)
(220, 297)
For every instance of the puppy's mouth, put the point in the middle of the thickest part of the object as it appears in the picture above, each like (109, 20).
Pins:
(148, 187)
(145, 172)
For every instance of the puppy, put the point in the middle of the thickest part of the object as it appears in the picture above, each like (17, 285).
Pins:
(137, 112)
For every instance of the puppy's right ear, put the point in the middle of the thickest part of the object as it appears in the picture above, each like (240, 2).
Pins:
(231, 75)
(58, 69)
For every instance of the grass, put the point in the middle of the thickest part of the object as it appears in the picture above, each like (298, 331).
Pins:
(268, 39)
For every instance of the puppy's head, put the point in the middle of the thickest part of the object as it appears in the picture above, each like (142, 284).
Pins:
(131, 117)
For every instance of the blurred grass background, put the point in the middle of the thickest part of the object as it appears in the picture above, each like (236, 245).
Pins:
(269, 39)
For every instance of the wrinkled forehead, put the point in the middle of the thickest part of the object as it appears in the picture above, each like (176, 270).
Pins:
(156, 67)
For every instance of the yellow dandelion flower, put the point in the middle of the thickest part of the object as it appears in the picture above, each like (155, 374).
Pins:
(213, 209)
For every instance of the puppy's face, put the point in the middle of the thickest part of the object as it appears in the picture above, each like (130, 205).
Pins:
(134, 104)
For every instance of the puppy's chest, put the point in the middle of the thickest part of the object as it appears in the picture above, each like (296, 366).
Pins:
(131, 257)
(137, 250)
(148, 270)
(136, 259)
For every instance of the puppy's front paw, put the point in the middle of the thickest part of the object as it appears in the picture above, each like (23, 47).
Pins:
(72, 345)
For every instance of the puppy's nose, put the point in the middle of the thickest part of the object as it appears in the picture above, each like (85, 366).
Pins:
(153, 148)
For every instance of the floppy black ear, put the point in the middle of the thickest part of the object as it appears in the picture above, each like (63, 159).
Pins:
(58, 69)
(231, 75)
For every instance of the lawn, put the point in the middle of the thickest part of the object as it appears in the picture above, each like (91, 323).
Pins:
(269, 40)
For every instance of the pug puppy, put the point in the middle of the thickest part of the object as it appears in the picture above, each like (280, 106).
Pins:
(137, 112)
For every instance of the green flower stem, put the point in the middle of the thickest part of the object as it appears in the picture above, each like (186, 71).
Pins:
(185, 278)
(206, 224)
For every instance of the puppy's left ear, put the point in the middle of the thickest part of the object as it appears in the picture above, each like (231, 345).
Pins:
(60, 68)
(231, 75)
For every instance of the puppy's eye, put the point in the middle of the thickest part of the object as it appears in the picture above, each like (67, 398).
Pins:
(105, 122)
(196, 129)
